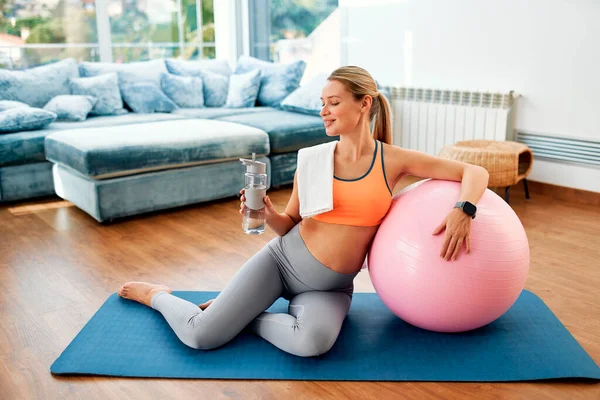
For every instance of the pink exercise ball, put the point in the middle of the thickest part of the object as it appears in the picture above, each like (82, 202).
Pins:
(448, 296)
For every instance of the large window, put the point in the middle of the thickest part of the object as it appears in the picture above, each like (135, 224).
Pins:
(147, 29)
(289, 30)
(35, 32)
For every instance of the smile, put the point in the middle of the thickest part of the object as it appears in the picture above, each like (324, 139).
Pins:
(329, 122)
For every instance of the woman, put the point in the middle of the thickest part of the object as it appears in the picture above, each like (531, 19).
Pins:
(313, 261)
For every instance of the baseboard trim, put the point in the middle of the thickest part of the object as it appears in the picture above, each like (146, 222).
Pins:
(535, 188)
(563, 193)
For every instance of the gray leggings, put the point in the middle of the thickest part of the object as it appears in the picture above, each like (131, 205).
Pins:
(319, 302)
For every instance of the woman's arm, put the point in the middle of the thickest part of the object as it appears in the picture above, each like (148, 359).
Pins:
(473, 177)
(474, 181)
(281, 223)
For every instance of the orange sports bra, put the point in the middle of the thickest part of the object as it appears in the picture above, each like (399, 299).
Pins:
(362, 201)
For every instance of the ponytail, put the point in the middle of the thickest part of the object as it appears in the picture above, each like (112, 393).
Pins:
(381, 112)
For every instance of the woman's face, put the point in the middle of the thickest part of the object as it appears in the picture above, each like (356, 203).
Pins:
(341, 111)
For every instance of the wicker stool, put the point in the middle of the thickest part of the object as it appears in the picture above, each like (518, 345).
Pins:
(506, 162)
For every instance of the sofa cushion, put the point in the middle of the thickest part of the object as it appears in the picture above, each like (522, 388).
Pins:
(215, 77)
(26, 147)
(195, 67)
(185, 91)
(113, 120)
(126, 150)
(277, 80)
(19, 182)
(36, 86)
(146, 98)
(8, 104)
(216, 87)
(105, 88)
(288, 131)
(214, 112)
(283, 168)
(243, 89)
(307, 98)
(142, 70)
(71, 107)
(25, 119)
(22, 147)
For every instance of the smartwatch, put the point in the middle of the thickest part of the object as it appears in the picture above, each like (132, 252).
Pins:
(467, 207)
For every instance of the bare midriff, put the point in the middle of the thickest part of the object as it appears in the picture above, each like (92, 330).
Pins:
(341, 248)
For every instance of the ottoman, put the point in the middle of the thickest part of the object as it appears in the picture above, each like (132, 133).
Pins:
(119, 171)
(507, 162)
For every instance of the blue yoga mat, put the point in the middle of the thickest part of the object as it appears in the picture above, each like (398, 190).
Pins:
(125, 338)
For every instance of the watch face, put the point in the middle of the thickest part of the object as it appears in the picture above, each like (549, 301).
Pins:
(469, 208)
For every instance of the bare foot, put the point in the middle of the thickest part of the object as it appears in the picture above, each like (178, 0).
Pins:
(203, 306)
(141, 292)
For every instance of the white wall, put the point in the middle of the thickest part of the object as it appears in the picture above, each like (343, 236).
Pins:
(546, 50)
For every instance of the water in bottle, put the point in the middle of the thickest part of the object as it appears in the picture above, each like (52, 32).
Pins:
(255, 190)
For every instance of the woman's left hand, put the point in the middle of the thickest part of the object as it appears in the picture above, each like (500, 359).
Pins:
(458, 231)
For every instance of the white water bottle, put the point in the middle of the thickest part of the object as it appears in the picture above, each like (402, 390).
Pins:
(255, 190)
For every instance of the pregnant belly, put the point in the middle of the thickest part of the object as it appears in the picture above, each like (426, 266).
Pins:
(342, 248)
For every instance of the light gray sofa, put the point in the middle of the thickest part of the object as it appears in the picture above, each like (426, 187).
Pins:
(122, 165)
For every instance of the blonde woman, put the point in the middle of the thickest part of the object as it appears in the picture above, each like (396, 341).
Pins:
(313, 261)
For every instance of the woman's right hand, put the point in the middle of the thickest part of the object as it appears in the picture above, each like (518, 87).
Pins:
(269, 208)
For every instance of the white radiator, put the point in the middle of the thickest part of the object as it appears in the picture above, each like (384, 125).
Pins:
(429, 119)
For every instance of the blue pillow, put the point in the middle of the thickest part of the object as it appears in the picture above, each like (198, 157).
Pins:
(8, 104)
(278, 80)
(216, 87)
(306, 99)
(243, 89)
(146, 97)
(196, 67)
(37, 86)
(185, 91)
(25, 119)
(71, 107)
(215, 77)
(105, 88)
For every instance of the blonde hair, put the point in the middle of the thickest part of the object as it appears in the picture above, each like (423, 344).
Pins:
(358, 81)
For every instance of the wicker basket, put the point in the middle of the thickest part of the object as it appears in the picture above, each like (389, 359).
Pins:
(506, 162)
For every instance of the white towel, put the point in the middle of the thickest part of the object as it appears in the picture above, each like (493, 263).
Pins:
(315, 179)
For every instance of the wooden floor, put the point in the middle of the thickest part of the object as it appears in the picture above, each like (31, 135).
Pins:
(58, 265)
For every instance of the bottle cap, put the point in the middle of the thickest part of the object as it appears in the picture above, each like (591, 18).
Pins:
(253, 166)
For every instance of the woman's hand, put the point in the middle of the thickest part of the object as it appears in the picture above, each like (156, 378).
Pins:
(242, 200)
(269, 208)
(458, 231)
